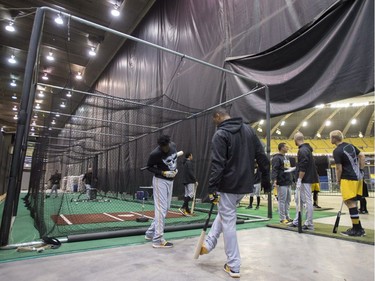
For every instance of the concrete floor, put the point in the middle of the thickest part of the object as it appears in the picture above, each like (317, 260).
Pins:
(267, 254)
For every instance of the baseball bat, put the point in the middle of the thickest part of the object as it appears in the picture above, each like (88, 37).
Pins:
(178, 155)
(299, 212)
(337, 222)
(193, 204)
(203, 234)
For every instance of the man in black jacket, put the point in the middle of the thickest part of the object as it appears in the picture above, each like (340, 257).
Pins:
(282, 180)
(306, 176)
(234, 148)
(189, 181)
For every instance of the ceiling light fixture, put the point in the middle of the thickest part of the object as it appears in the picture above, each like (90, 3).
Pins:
(33, 124)
(12, 59)
(59, 19)
(57, 115)
(318, 135)
(53, 122)
(92, 52)
(328, 123)
(115, 12)
(15, 108)
(14, 97)
(36, 116)
(10, 27)
(37, 106)
(32, 129)
(63, 105)
(41, 94)
(69, 94)
(79, 76)
(278, 132)
(2, 129)
(15, 117)
(354, 121)
(261, 122)
(304, 124)
(50, 56)
(45, 76)
(13, 83)
(282, 123)
(360, 135)
(260, 129)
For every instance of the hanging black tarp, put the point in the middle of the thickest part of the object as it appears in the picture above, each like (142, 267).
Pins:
(329, 59)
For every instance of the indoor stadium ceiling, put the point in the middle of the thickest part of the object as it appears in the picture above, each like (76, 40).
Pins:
(70, 48)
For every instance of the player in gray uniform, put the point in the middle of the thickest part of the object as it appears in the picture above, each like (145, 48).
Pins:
(163, 163)
(256, 191)
(234, 148)
(282, 180)
(189, 182)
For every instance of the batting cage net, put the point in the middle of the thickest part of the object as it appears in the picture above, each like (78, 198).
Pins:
(90, 145)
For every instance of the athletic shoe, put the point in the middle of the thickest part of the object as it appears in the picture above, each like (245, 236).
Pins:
(284, 221)
(289, 219)
(291, 224)
(204, 250)
(234, 274)
(257, 207)
(316, 206)
(187, 214)
(249, 207)
(148, 238)
(365, 212)
(308, 228)
(354, 232)
(164, 244)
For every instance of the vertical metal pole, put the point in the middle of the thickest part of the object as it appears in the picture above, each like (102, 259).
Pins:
(268, 131)
(24, 117)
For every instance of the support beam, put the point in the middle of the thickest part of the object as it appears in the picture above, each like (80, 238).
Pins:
(329, 118)
(300, 124)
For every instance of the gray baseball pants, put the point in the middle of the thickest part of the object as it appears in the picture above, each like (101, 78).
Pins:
(225, 222)
(162, 194)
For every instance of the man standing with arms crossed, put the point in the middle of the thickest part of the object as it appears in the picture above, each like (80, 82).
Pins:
(282, 180)
(163, 163)
(350, 162)
(306, 176)
(234, 148)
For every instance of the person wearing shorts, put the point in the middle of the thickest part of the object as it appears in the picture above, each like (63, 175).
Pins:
(350, 162)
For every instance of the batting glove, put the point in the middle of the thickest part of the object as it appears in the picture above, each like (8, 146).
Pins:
(214, 197)
(169, 174)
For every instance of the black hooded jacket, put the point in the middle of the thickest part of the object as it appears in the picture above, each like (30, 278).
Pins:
(189, 173)
(306, 163)
(234, 148)
(278, 168)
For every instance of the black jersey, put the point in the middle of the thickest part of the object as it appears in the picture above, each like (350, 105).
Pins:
(346, 154)
(160, 161)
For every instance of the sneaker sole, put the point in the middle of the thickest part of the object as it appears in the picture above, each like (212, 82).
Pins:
(160, 246)
(232, 274)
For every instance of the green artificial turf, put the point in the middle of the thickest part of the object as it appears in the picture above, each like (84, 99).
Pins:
(24, 231)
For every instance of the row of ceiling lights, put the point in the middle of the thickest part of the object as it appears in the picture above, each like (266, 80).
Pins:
(304, 124)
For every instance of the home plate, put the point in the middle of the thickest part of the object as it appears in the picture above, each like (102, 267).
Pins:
(126, 215)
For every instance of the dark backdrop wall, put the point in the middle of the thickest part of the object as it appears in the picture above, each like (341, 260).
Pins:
(212, 31)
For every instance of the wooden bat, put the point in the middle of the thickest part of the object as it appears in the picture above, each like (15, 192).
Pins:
(178, 155)
(299, 212)
(193, 204)
(337, 222)
(203, 234)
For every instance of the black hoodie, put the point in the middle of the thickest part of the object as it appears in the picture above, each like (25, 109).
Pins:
(189, 173)
(306, 163)
(234, 148)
